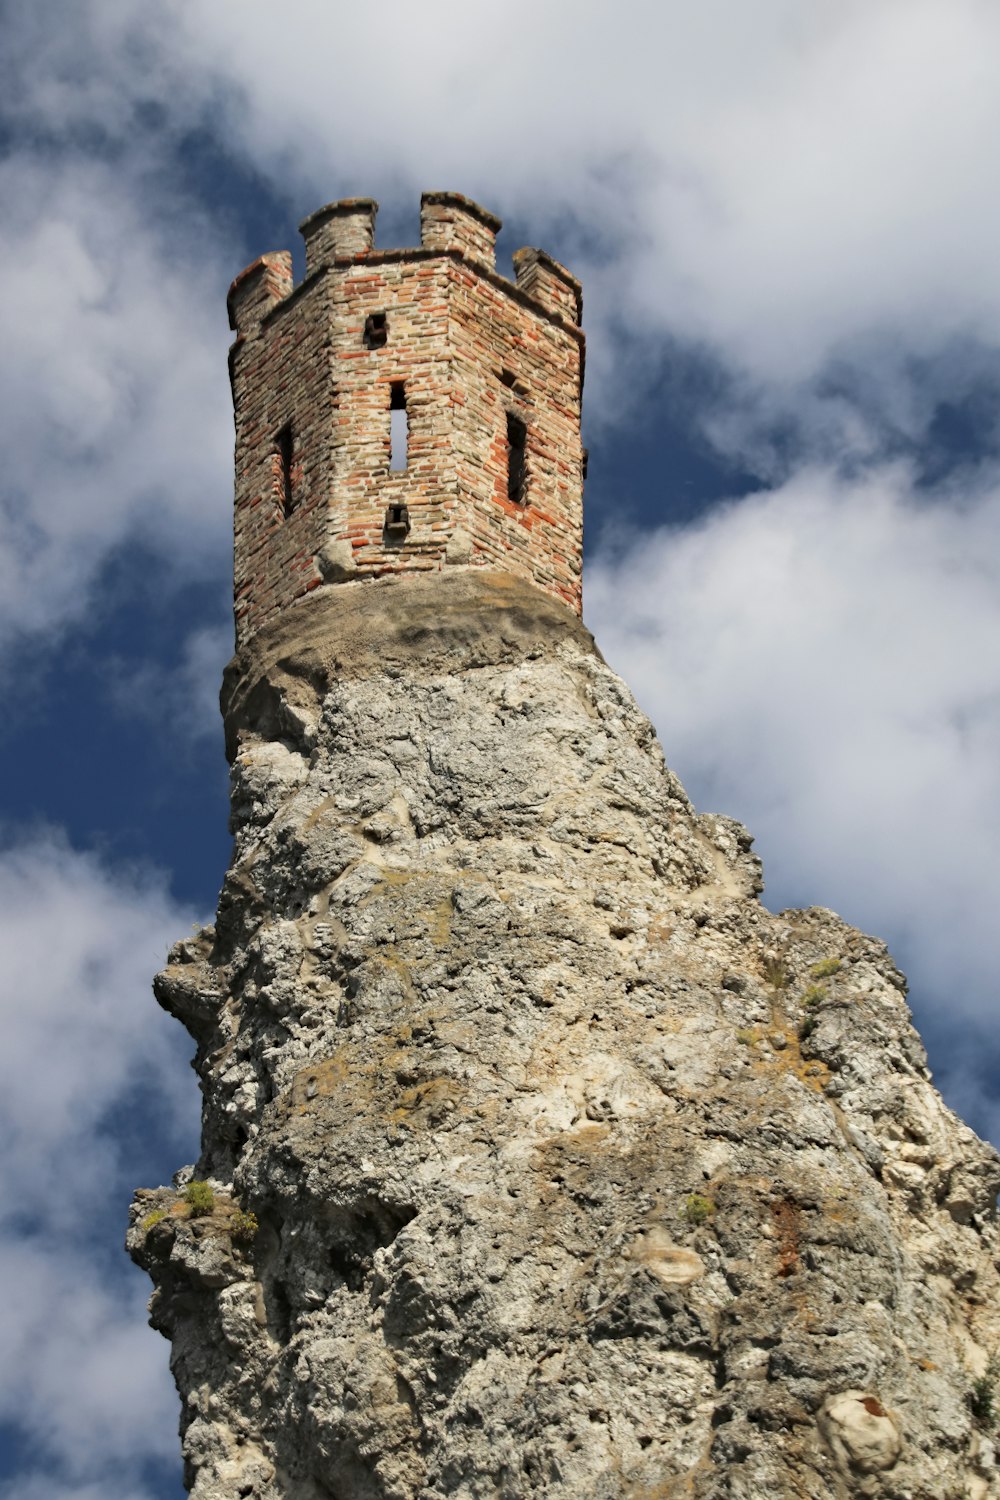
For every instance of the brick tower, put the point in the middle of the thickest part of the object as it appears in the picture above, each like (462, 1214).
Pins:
(404, 410)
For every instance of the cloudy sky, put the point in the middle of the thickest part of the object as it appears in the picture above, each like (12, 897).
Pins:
(786, 220)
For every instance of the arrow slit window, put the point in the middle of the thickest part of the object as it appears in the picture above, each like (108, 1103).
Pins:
(399, 427)
(517, 435)
(284, 458)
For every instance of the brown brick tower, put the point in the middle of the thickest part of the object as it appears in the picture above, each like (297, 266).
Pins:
(404, 410)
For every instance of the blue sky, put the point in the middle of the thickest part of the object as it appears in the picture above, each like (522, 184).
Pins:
(786, 223)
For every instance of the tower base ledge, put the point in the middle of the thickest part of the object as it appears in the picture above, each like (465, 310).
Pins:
(415, 624)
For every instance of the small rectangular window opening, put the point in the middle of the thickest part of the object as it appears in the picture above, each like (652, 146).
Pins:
(512, 381)
(399, 426)
(376, 330)
(397, 521)
(285, 449)
(517, 435)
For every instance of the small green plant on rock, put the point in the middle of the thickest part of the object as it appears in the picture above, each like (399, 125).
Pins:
(775, 973)
(152, 1218)
(814, 995)
(199, 1198)
(745, 1038)
(698, 1208)
(244, 1226)
(807, 1027)
(825, 968)
(983, 1395)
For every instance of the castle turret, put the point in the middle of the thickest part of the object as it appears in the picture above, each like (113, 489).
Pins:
(404, 410)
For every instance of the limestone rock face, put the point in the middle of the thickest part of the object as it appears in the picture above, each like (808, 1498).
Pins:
(574, 1171)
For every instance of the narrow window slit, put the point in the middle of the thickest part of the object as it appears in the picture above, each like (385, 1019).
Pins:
(399, 426)
(285, 451)
(517, 435)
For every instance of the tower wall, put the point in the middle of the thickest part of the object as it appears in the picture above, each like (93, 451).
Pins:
(281, 374)
(474, 358)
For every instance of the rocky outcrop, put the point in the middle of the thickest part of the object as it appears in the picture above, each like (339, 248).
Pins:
(543, 1160)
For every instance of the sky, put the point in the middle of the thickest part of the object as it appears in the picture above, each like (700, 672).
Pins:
(786, 223)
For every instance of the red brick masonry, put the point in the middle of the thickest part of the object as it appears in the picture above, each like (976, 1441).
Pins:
(478, 357)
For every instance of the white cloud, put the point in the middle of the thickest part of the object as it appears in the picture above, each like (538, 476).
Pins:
(783, 184)
(820, 660)
(42, 1487)
(81, 1030)
(113, 405)
(84, 1383)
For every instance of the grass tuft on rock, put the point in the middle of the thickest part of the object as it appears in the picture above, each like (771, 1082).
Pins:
(698, 1208)
(199, 1198)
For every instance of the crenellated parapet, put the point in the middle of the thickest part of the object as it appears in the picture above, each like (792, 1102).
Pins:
(404, 410)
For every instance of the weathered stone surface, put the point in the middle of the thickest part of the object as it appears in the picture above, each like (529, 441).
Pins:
(578, 1173)
(863, 1437)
